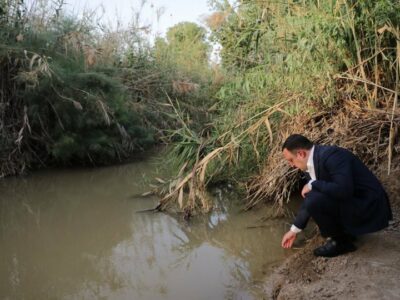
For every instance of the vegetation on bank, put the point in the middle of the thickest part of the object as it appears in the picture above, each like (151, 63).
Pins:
(73, 91)
(329, 69)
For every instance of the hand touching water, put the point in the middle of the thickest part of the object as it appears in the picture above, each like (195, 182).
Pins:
(288, 239)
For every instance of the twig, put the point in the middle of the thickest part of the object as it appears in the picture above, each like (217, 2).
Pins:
(365, 81)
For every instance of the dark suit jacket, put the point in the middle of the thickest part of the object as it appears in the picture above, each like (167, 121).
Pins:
(363, 203)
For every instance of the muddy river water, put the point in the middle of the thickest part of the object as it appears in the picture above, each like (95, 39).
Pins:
(76, 234)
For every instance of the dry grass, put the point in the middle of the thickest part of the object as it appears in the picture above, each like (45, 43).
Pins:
(194, 181)
(372, 134)
(366, 132)
(184, 87)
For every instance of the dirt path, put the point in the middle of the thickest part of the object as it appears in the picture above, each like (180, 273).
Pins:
(371, 272)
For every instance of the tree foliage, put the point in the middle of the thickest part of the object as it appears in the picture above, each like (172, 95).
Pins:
(186, 48)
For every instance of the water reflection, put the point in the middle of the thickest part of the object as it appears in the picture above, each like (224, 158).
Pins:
(76, 235)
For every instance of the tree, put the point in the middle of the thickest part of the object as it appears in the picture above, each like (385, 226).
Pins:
(186, 47)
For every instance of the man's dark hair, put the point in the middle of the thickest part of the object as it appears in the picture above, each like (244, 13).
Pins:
(296, 142)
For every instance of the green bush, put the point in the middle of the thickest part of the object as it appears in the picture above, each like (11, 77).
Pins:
(65, 101)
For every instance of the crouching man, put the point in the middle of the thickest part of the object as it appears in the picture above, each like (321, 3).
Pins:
(342, 196)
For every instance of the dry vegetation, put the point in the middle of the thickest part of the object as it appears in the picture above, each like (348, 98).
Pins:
(335, 79)
(366, 132)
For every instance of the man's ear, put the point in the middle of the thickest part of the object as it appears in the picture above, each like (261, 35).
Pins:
(302, 153)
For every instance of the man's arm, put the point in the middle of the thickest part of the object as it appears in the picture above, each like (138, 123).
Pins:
(298, 225)
(339, 167)
(302, 217)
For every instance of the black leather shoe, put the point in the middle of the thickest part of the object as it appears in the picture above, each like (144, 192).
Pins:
(334, 248)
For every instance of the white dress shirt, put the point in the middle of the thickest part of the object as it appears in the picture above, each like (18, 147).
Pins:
(310, 170)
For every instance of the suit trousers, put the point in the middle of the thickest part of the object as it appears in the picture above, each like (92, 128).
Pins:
(325, 212)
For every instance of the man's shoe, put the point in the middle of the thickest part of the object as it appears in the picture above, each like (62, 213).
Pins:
(334, 248)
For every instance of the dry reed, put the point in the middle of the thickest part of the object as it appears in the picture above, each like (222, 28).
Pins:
(364, 131)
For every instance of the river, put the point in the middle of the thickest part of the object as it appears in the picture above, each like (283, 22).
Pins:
(76, 234)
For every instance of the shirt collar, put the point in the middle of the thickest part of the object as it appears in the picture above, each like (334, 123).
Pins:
(310, 161)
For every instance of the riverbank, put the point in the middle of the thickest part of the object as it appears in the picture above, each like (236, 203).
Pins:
(371, 272)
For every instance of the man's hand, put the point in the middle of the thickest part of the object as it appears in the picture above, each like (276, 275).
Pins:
(288, 239)
(305, 190)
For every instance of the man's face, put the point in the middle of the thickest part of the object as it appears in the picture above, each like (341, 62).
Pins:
(297, 158)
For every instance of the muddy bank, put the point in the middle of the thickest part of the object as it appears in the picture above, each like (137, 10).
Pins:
(371, 272)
